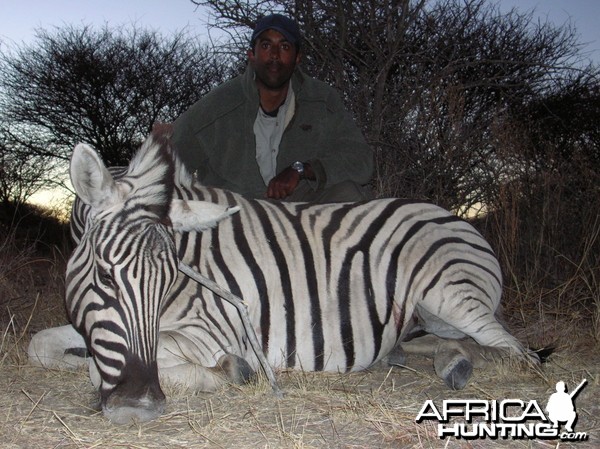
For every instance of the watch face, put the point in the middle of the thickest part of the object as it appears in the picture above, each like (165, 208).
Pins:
(298, 166)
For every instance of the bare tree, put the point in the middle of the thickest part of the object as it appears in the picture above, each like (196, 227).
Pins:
(103, 87)
(469, 107)
(428, 81)
(22, 172)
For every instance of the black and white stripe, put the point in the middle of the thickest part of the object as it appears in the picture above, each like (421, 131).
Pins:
(333, 287)
(330, 287)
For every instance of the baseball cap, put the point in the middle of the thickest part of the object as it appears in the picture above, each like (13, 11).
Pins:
(278, 22)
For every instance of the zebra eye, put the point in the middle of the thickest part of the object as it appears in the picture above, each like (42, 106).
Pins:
(105, 277)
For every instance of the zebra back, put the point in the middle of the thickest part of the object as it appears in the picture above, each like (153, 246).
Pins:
(329, 287)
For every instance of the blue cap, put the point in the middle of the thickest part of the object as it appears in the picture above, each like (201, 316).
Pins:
(286, 26)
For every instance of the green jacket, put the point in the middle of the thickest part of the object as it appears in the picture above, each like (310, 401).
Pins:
(215, 136)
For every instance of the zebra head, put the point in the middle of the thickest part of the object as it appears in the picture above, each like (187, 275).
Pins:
(122, 269)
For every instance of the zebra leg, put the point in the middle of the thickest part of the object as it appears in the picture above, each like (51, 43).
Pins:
(453, 367)
(229, 369)
(454, 356)
(453, 360)
(236, 369)
(178, 365)
(58, 347)
(396, 357)
(494, 341)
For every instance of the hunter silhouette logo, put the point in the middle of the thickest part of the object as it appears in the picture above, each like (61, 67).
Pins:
(560, 406)
(508, 418)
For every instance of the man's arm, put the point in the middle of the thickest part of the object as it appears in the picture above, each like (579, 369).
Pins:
(284, 184)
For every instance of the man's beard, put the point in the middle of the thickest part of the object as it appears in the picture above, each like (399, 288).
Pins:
(273, 80)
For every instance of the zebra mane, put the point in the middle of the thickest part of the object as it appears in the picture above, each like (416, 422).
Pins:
(182, 177)
(150, 176)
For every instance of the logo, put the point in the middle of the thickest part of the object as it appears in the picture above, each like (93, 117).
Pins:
(509, 418)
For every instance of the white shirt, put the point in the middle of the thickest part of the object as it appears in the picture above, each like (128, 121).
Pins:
(268, 132)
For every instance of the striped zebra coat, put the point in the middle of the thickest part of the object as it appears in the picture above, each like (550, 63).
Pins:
(334, 287)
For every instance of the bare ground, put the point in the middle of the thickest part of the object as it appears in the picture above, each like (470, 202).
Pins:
(373, 409)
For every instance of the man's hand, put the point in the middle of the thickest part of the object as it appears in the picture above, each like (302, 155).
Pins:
(284, 184)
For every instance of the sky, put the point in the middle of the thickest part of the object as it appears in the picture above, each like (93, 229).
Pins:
(19, 18)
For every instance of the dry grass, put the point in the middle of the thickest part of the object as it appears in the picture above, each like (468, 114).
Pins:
(373, 409)
(42, 408)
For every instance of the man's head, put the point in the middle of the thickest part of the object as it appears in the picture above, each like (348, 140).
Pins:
(278, 22)
(275, 50)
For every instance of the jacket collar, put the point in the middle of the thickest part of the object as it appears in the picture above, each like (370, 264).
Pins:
(251, 91)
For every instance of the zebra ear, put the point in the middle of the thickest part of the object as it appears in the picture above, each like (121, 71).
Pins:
(198, 215)
(93, 183)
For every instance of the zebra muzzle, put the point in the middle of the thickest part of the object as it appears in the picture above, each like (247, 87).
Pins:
(137, 397)
(124, 410)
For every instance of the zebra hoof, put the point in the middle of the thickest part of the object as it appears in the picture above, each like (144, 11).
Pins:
(457, 372)
(396, 357)
(236, 369)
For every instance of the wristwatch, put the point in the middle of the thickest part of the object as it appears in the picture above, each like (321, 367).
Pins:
(299, 167)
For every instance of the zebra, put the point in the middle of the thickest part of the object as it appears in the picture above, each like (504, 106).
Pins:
(332, 287)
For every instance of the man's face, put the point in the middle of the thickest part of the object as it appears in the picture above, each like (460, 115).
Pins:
(273, 59)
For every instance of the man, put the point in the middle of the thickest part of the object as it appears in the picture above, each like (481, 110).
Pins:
(274, 132)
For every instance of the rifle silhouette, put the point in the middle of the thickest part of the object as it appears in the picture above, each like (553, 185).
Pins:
(578, 389)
